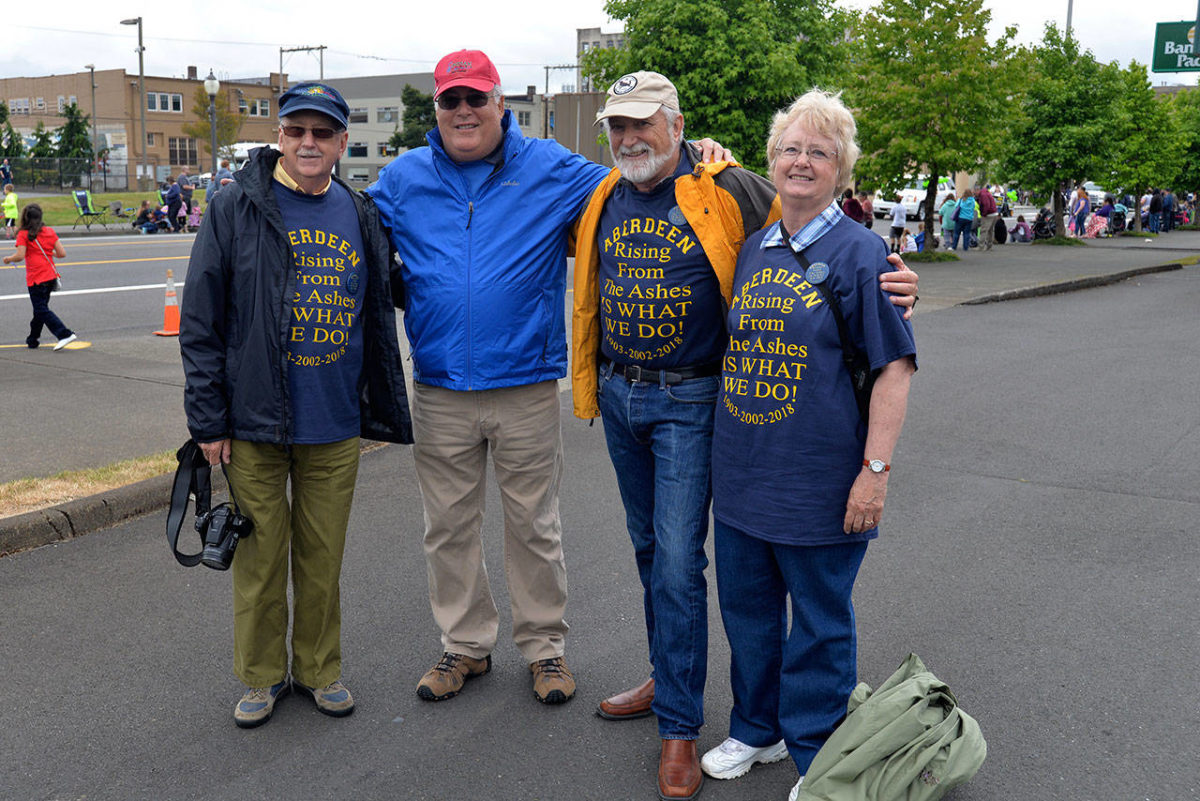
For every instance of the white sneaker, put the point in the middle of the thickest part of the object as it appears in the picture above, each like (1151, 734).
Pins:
(795, 793)
(734, 758)
(62, 343)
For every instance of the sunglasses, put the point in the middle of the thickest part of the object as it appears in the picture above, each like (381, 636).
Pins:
(298, 131)
(450, 102)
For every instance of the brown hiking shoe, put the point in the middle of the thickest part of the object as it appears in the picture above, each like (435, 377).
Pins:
(552, 682)
(446, 678)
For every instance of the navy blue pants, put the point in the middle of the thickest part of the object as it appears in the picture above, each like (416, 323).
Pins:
(790, 685)
(39, 295)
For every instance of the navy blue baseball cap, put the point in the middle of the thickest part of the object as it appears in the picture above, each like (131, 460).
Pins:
(314, 96)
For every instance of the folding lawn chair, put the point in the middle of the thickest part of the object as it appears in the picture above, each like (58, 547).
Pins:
(87, 212)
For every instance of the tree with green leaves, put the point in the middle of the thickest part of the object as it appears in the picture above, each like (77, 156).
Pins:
(74, 135)
(1062, 135)
(229, 123)
(1147, 148)
(12, 144)
(931, 92)
(734, 62)
(1185, 110)
(419, 118)
(43, 142)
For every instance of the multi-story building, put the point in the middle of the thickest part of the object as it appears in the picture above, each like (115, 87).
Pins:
(376, 113)
(587, 39)
(529, 111)
(116, 110)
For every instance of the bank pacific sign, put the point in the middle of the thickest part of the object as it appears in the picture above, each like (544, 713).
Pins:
(1175, 47)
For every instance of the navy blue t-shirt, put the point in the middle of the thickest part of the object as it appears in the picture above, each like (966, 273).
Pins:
(788, 440)
(660, 301)
(325, 341)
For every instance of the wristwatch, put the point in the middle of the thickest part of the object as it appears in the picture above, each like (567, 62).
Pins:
(876, 465)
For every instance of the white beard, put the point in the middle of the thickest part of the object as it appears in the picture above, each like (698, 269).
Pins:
(642, 170)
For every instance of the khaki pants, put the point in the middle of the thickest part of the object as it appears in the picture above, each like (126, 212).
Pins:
(987, 231)
(312, 531)
(454, 430)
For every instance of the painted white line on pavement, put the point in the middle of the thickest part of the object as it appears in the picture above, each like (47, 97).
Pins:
(99, 291)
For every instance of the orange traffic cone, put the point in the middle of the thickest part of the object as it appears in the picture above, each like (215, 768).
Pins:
(170, 310)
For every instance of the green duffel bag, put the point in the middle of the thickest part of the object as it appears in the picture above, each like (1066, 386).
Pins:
(906, 741)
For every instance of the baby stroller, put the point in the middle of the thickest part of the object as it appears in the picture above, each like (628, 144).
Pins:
(1043, 225)
(1117, 221)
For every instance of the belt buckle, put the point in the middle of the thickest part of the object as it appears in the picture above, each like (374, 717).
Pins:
(633, 372)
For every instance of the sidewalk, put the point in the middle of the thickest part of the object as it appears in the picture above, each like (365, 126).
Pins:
(152, 421)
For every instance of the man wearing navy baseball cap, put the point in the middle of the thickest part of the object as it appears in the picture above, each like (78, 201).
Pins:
(288, 337)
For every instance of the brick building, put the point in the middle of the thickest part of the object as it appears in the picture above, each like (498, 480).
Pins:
(117, 115)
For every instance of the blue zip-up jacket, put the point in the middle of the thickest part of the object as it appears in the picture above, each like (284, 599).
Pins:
(485, 273)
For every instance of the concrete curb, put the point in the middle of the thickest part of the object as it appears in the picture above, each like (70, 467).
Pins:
(83, 515)
(1069, 286)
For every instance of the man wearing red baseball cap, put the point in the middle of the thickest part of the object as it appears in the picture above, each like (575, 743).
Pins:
(480, 219)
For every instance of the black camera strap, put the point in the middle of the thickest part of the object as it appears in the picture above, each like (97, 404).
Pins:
(192, 477)
(862, 377)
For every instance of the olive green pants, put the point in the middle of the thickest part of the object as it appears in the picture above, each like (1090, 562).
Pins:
(311, 529)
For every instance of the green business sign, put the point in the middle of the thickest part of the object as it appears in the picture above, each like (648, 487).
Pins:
(1175, 48)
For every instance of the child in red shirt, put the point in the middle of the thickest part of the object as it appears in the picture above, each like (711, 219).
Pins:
(36, 244)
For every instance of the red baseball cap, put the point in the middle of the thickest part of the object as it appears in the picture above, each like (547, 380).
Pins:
(470, 68)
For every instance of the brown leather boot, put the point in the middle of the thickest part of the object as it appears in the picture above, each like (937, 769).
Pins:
(630, 704)
(679, 776)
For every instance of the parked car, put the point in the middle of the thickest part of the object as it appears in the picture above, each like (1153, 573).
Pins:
(1095, 193)
(913, 197)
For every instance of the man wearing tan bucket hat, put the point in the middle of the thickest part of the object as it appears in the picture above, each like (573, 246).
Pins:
(654, 262)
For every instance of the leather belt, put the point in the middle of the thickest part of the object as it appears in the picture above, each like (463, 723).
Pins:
(674, 375)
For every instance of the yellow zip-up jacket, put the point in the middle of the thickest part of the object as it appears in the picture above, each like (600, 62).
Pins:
(723, 204)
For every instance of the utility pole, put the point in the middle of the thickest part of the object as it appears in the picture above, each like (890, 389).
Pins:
(320, 54)
(141, 90)
(546, 99)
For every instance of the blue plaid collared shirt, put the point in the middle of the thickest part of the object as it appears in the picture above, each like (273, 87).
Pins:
(820, 225)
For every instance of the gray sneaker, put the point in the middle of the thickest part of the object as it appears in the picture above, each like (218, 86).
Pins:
(333, 699)
(257, 704)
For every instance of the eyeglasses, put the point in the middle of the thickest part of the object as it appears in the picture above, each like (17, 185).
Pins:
(815, 154)
(447, 102)
(298, 131)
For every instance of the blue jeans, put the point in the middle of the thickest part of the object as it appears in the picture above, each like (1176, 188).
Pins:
(787, 685)
(963, 227)
(1153, 221)
(39, 296)
(660, 442)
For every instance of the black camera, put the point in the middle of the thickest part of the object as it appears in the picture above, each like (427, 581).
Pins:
(221, 528)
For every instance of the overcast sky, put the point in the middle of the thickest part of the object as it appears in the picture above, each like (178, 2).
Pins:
(237, 38)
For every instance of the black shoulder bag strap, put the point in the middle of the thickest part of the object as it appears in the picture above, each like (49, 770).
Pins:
(862, 378)
(192, 477)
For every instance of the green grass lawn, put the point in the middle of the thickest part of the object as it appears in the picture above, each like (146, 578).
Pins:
(58, 211)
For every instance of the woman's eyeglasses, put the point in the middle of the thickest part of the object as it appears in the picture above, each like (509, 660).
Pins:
(447, 102)
(298, 131)
(814, 154)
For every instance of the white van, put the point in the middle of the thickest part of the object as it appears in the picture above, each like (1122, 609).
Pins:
(913, 197)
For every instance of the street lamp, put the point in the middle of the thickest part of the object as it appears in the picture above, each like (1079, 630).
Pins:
(212, 86)
(141, 85)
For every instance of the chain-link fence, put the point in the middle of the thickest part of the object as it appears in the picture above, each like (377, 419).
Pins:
(61, 174)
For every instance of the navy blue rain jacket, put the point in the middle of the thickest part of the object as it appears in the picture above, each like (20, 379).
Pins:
(237, 310)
